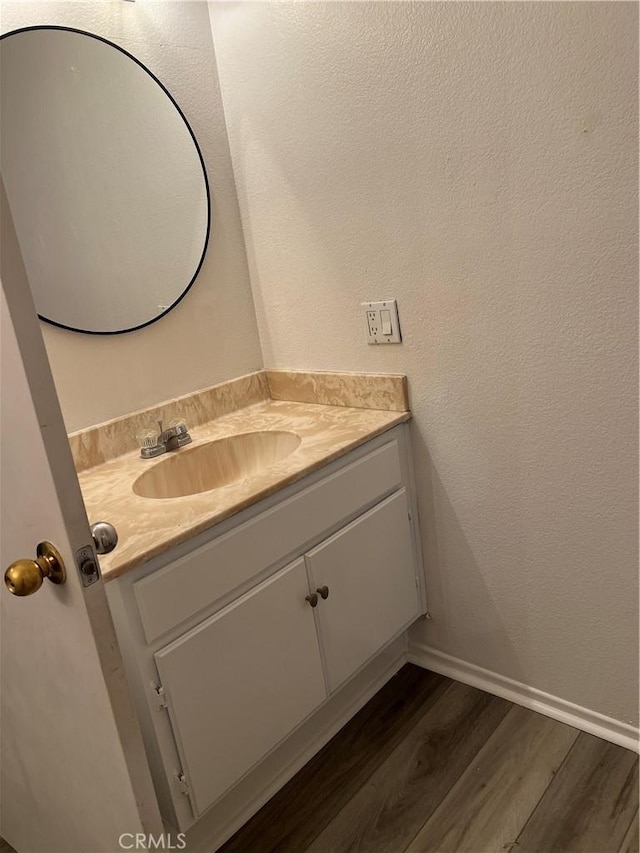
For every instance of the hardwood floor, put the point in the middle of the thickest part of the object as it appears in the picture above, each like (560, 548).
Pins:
(430, 764)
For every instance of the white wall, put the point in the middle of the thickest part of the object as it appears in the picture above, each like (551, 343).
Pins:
(211, 335)
(478, 161)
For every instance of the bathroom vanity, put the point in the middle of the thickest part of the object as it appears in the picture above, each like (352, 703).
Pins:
(251, 636)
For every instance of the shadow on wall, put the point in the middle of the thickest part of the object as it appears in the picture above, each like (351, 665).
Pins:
(464, 614)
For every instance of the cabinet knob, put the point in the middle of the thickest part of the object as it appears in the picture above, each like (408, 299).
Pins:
(324, 592)
(312, 599)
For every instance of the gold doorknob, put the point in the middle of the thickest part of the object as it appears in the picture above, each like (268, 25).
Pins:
(24, 577)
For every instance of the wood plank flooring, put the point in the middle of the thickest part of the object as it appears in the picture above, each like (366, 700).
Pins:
(430, 765)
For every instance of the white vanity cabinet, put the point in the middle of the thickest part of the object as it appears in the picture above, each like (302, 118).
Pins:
(369, 572)
(240, 682)
(247, 648)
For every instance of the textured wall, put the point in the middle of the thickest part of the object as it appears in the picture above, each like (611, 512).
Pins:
(212, 335)
(477, 161)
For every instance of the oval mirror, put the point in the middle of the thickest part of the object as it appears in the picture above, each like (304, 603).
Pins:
(105, 181)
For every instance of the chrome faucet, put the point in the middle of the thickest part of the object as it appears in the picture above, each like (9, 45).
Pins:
(174, 437)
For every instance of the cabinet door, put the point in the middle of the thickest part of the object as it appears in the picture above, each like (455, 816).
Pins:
(369, 569)
(240, 682)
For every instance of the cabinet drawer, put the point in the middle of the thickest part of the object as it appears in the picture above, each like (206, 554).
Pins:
(175, 593)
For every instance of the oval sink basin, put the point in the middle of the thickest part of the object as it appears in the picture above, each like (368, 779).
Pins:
(193, 470)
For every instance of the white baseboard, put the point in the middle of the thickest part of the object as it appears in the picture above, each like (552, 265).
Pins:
(559, 709)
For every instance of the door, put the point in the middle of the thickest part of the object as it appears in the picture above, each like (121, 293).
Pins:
(372, 591)
(74, 776)
(241, 681)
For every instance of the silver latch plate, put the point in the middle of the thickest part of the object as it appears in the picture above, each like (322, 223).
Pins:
(87, 564)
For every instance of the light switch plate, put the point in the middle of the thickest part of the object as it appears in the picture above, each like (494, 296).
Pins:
(383, 325)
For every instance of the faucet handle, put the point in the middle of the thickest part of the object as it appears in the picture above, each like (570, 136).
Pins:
(175, 436)
(147, 439)
(179, 426)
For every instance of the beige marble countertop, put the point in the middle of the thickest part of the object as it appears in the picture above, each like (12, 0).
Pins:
(147, 526)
